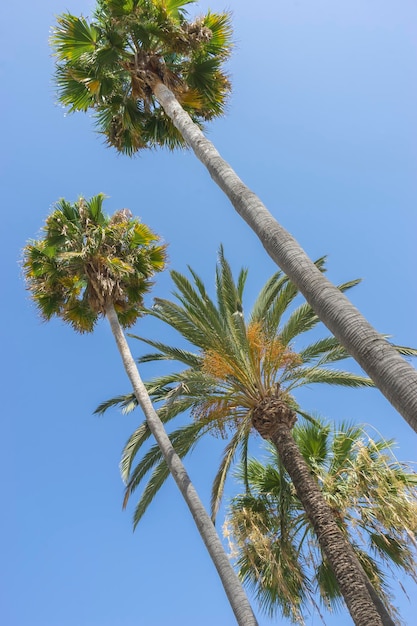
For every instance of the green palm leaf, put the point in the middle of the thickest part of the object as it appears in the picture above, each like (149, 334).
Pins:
(73, 37)
(327, 350)
(127, 402)
(168, 353)
(308, 375)
(183, 440)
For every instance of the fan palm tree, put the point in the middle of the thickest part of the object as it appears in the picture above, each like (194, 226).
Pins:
(373, 498)
(89, 265)
(240, 380)
(152, 77)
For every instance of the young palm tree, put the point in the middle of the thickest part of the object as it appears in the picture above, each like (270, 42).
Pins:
(241, 379)
(89, 265)
(372, 495)
(152, 78)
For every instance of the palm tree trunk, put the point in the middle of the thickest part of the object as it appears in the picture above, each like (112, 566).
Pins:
(231, 584)
(395, 378)
(274, 421)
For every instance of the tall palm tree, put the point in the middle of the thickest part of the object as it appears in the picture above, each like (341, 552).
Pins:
(241, 379)
(89, 265)
(153, 77)
(372, 495)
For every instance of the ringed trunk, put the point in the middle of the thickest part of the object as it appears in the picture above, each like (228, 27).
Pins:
(394, 376)
(231, 584)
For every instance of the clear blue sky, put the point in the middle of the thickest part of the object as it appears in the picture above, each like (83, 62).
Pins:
(322, 125)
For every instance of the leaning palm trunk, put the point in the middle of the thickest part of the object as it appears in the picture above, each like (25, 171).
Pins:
(274, 420)
(233, 588)
(395, 378)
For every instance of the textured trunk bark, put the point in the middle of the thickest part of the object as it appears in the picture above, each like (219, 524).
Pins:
(395, 378)
(274, 421)
(231, 584)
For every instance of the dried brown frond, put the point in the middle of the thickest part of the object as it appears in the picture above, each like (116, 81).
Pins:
(197, 32)
(121, 217)
(270, 559)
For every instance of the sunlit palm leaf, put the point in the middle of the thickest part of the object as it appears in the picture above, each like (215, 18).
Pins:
(73, 37)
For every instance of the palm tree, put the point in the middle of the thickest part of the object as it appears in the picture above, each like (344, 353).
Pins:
(372, 495)
(241, 379)
(152, 78)
(89, 265)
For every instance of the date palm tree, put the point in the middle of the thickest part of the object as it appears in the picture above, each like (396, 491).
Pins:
(242, 379)
(89, 265)
(152, 77)
(373, 498)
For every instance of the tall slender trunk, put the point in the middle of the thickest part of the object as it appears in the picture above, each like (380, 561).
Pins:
(395, 378)
(274, 422)
(231, 584)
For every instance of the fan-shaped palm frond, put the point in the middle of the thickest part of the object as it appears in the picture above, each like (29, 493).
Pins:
(87, 259)
(354, 472)
(111, 63)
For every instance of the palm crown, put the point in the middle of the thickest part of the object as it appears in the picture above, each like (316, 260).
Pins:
(372, 496)
(87, 260)
(238, 364)
(110, 64)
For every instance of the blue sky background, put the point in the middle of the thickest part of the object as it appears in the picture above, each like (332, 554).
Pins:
(322, 125)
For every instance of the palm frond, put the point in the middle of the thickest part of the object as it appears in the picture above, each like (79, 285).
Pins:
(311, 419)
(131, 448)
(229, 454)
(310, 375)
(159, 476)
(73, 37)
(183, 441)
(267, 518)
(167, 352)
(285, 296)
(405, 351)
(300, 321)
(199, 307)
(267, 296)
(327, 349)
(127, 402)
(191, 327)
